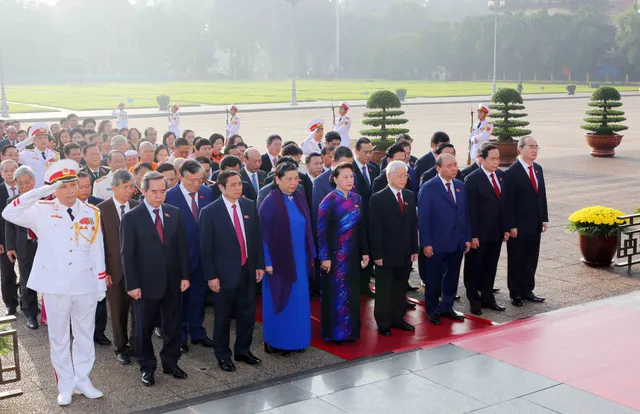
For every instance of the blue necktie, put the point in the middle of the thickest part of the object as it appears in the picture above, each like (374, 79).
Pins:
(254, 181)
(366, 177)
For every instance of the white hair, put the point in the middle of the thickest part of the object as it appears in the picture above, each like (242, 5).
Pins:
(145, 144)
(393, 166)
(6, 163)
(177, 163)
(117, 139)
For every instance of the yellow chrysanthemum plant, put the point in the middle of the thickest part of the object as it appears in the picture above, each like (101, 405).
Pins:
(595, 221)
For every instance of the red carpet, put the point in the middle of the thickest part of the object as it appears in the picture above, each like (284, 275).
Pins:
(594, 348)
(371, 343)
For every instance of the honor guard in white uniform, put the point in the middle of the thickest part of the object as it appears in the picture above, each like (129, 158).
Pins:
(122, 117)
(343, 125)
(69, 270)
(481, 132)
(174, 120)
(314, 143)
(39, 158)
(233, 127)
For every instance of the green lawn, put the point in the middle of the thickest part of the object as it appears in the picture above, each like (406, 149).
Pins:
(19, 109)
(106, 96)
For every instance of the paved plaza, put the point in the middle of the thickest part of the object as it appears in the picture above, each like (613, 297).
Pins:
(574, 180)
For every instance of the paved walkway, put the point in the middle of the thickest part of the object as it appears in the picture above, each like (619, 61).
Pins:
(269, 107)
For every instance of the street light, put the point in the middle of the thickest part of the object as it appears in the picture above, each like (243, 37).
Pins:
(293, 50)
(4, 110)
(495, 5)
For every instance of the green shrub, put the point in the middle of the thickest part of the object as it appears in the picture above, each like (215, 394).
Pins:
(385, 102)
(604, 121)
(506, 127)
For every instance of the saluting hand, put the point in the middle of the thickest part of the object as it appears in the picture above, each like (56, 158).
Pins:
(259, 275)
(135, 294)
(184, 285)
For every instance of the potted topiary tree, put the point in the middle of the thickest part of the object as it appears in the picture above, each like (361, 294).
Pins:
(507, 126)
(571, 89)
(602, 122)
(401, 93)
(163, 102)
(384, 102)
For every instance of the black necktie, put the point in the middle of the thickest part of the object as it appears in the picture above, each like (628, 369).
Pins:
(121, 211)
(479, 123)
(44, 156)
(70, 211)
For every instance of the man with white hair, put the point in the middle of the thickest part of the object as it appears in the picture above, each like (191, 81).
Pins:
(119, 143)
(11, 135)
(393, 226)
(146, 153)
(39, 158)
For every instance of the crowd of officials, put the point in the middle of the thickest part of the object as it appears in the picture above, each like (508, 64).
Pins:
(159, 228)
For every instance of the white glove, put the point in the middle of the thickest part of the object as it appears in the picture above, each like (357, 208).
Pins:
(47, 190)
(101, 296)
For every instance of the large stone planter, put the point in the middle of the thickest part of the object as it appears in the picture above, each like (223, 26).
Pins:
(508, 152)
(598, 251)
(603, 145)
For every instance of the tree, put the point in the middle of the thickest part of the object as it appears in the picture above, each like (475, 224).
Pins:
(604, 121)
(385, 102)
(506, 124)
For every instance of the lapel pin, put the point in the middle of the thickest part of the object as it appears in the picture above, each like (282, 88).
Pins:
(201, 197)
(247, 217)
(406, 204)
(167, 215)
(457, 190)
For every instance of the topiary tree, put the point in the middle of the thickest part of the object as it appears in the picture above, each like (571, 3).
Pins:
(384, 101)
(506, 125)
(603, 121)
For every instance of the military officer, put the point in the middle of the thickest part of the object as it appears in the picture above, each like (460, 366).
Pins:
(313, 143)
(102, 186)
(233, 127)
(93, 158)
(39, 158)
(69, 269)
(174, 120)
(343, 125)
(122, 118)
(481, 132)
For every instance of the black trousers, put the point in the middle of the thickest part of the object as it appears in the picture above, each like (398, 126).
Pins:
(480, 267)
(28, 297)
(240, 301)
(391, 288)
(146, 313)
(101, 318)
(8, 278)
(121, 306)
(365, 278)
(523, 252)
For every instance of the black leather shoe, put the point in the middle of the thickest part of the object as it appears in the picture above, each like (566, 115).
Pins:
(404, 326)
(453, 315)
(369, 293)
(184, 348)
(102, 340)
(206, 342)
(226, 364)
(476, 309)
(11, 311)
(249, 358)
(495, 290)
(123, 358)
(147, 379)
(533, 298)
(517, 301)
(32, 323)
(157, 332)
(435, 319)
(175, 371)
(384, 332)
(495, 307)
(410, 305)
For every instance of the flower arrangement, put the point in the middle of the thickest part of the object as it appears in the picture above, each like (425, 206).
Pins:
(595, 221)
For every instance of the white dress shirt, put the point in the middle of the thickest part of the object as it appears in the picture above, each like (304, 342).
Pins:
(187, 197)
(395, 192)
(526, 169)
(152, 214)
(488, 174)
(229, 205)
(250, 175)
(127, 208)
(366, 169)
(453, 188)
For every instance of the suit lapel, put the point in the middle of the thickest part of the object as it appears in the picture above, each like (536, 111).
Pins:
(443, 191)
(149, 222)
(246, 220)
(393, 198)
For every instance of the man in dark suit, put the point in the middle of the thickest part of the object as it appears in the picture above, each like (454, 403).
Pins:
(527, 215)
(322, 185)
(111, 212)
(396, 153)
(190, 196)
(233, 261)
(466, 171)
(411, 159)
(269, 159)
(444, 237)
(428, 160)
(8, 277)
(155, 261)
(445, 148)
(394, 246)
(232, 163)
(251, 171)
(488, 229)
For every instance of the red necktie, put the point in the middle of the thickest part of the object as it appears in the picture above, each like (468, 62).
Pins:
(238, 227)
(453, 200)
(533, 179)
(495, 185)
(194, 206)
(31, 235)
(159, 228)
(400, 203)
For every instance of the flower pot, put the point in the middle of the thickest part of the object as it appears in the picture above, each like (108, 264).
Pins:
(603, 145)
(598, 251)
(508, 152)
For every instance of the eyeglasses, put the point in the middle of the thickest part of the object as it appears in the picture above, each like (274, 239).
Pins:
(533, 147)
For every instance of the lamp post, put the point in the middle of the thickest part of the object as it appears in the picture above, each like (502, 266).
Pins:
(293, 50)
(337, 38)
(495, 5)
(4, 110)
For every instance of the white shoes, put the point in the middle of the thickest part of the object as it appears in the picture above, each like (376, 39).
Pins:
(64, 398)
(88, 391)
